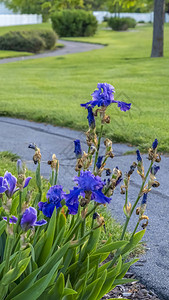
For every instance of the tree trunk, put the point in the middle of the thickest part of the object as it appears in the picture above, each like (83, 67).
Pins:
(158, 28)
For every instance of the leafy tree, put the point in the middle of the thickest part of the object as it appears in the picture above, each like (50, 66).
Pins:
(43, 7)
(118, 6)
(95, 4)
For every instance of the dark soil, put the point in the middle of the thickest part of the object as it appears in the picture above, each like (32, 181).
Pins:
(133, 290)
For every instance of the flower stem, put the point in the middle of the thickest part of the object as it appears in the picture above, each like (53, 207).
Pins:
(53, 176)
(96, 157)
(98, 147)
(134, 231)
(126, 200)
(20, 203)
(138, 198)
(56, 173)
(83, 225)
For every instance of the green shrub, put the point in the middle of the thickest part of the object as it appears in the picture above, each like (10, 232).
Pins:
(131, 22)
(120, 24)
(28, 41)
(70, 23)
(117, 24)
(50, 38)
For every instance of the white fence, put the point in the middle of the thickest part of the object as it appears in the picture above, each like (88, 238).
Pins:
(146, 17)
(7, 20)
(18, 19)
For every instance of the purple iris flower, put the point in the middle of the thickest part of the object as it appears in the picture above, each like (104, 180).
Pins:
(104, 96)
(123, 105)
(99, 162)
(155, 144)
(3, 185)
(144, 199)
(27, 181)
(138, 156)
(28, 220)
(78, 150)
(55, 195)
(90, 117)
(154, 169)
(86, 182)
(8, 184)
(12, 220)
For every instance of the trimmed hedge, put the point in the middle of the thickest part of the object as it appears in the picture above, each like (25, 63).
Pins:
(28, 41)
(71, 23)
(50, 38)
(120, 24)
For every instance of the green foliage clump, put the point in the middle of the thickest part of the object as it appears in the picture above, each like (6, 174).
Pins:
(70, 23)
(119, 24)
(131, 22)
(49, 36)
(29, 41)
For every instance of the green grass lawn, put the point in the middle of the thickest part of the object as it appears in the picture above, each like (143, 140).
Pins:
(51, 89)
(7, 54)
(42, 26)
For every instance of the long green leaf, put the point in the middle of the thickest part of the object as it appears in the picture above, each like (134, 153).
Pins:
(125, 268)
(38, 178)
(54, 259)
(111, 275)
(70, 296)
(15, 273)
(133, 242)
(42, 271)
(93, 259)
(91, 244)
(68, 291)
(2, 226)
(57, 241)
(15, 203)
(40, 244)
(97, 288)
(56, 291)
(84, 281)
(61, 222)
(50, 233)
(89, 289)
(38, 287)
(12, 258)
(110, 247)
(24, 284)
(67, 260)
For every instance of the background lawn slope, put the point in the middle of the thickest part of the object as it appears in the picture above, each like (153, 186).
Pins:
(51, 89)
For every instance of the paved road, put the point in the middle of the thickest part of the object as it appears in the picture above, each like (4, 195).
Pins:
(154, 271)
(69, 48)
